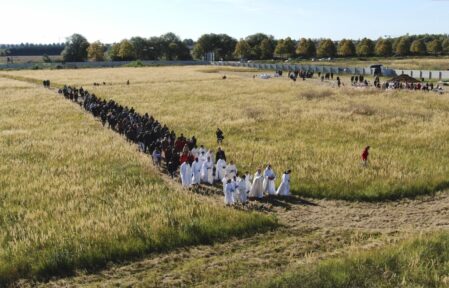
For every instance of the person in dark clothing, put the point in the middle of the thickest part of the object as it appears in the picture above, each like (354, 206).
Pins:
(220, 154)
(220, 136)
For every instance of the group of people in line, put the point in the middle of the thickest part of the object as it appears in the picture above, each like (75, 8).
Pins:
(196, 165)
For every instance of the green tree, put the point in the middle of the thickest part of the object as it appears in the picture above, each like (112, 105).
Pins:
(95, 51)
(434, 47)
(384, 47)
(221, 44)
(140, 47)
(242, 50)
(445, 46)
(75, 49)
(346, 48)
(266, 49)
(114, 51)
(285, 48)
(403, 46)
(365, 48)
(326, 48)
(126, 51)
(418, 47)
(306, 48)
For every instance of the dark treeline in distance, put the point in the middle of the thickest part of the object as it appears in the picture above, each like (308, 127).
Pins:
(30, 49)
(224, 47)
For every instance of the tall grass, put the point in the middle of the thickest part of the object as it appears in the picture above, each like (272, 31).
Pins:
(74, 195)
(420, 262)
(316, 130)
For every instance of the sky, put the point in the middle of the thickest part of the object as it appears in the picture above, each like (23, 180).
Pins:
(50, 21)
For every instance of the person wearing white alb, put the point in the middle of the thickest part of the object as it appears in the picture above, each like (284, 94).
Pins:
(284, 188)
(268, 182)
(196, 172)
(229, 193)
(186, 174)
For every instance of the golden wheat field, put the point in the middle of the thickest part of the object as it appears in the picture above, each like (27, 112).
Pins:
(74, 195)
(313, 128)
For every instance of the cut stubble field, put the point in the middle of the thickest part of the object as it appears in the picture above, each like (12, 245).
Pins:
(316, 130)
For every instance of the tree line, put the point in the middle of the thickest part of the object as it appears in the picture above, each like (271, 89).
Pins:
(224, 47)
(27, 49)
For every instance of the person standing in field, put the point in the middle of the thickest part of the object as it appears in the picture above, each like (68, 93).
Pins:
(268, 182)
(257, 187)
(220, 136)
(196, 172)
(186, 174)
(284, 188)
(231, 170)
(229, 192)
(241, 188)
(220, 155)
(365, 155)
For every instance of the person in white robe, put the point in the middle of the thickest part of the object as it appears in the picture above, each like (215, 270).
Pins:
(201, 150)
(241, 188)
(257, 186)
(206, 172)
(196, 172)
(229, 193)
(211, 154)
(284, 188)
(186, 174)
(194, 152)
(202, 158)
(268, 182)
(231, 170)
(248, 178)
(224, 180)
(221, 166)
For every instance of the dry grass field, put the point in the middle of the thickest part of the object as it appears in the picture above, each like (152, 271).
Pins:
(76, 196)
(71, 202)
(317, 130)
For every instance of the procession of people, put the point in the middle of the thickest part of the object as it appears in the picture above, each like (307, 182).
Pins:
(196, 165)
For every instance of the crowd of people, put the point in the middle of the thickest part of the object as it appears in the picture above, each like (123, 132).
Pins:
(196, 165)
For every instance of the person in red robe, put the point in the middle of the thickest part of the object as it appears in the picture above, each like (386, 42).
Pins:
(365, 154)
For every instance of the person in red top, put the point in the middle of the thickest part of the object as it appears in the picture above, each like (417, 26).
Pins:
(184, 157)
(365, 154)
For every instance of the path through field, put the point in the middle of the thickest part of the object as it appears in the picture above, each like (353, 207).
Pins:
(310, 230)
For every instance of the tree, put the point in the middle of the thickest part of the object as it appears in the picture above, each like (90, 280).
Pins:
(306, 48)
(242, 50)
(326, 48)
(140, 47)
(402, 47)
(365, 47)
(95, 51)
(346, 48)
(384, 48)
(75, 49)
(418, 47)
(114, 51)
(285, 48)
(126, 51)
(221, 44)
(434, 47)
(172, 48)
(266, 49)
(262, 46)
(445, 46)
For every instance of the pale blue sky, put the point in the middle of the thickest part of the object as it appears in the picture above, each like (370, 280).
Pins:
(48, 21)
